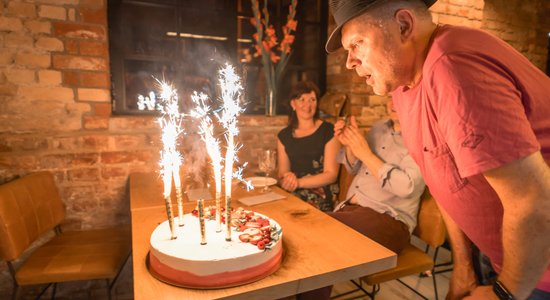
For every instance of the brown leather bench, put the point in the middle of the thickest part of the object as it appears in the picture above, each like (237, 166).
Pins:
(30, 207)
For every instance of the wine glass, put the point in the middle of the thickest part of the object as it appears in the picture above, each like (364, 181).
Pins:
(267, 162)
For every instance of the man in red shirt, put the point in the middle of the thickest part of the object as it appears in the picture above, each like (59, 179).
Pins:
(475, 116)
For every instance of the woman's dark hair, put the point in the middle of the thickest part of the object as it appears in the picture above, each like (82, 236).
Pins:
(302, 87)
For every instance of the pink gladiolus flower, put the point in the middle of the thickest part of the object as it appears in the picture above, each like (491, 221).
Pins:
(290, 23)
(275, 58)
(270, 31)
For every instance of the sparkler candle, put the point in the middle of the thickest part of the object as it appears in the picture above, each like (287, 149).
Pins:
(167, 179)
(179, 199)
(170, 123)
(200, 203)
(206, 130)
(231, 88)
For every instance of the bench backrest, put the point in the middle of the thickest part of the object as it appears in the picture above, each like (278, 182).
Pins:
(29, 207)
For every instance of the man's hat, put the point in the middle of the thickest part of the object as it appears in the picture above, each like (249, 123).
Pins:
(345, 10)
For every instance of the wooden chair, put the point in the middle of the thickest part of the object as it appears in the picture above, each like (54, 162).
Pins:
(31, 206)
(333, 105)
(412, 260)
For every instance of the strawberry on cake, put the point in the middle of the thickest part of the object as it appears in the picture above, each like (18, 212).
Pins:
(254, 252)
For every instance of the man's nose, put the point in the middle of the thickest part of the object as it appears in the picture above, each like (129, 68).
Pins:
(351, 62)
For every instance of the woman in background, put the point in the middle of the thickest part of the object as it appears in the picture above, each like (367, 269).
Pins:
(307, 150)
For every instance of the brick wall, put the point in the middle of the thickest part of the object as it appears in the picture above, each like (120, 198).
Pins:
(523, 24)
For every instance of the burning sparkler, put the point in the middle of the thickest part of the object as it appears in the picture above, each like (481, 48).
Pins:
(206, 130)
(231, 88)
(170, 123)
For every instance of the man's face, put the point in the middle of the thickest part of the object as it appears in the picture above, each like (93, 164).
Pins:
(374, 53)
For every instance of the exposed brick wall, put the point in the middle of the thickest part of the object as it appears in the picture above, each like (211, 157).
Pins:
(523, 24)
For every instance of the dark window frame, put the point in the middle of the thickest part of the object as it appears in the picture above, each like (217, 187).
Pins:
(300, 67)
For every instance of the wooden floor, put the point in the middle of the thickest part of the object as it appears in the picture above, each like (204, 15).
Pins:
(393, 290)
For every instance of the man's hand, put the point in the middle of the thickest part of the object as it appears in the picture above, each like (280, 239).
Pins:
(482, 292)
(462, 283)
(339, 127)
(354, 140)
(289, 181)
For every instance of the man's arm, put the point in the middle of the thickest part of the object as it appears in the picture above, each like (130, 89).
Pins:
(523, 187)
(463, 279)
(402, 179)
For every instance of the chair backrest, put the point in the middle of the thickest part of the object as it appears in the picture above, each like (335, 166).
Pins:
(333, 104)
(430, 226)
(29, 207)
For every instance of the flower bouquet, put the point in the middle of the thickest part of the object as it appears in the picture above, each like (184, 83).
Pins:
(274, 55)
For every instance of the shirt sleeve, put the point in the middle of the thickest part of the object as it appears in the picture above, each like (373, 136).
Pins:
(403, 180)
(479, 112)
(341, 158)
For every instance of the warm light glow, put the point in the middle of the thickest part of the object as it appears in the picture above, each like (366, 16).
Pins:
(204, 37)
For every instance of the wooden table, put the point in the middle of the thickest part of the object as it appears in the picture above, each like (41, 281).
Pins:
(319, 251)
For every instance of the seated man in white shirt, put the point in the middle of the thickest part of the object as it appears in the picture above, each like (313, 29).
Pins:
(384, 195)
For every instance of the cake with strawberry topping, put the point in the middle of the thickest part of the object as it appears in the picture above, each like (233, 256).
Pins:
(254, 252)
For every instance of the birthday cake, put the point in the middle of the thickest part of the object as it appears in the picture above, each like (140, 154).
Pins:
(254, 252)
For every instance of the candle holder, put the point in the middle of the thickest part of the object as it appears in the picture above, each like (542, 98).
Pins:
(180, 203)
(218, 212)
(228, 218)
(168, 203)
(201, 221)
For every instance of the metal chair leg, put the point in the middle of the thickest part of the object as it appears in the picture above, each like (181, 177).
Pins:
(112, 284)
(373, 293)
(435, 287)
(108, 288)
(16, 292)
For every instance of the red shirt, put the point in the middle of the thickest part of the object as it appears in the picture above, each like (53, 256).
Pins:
(480, 105)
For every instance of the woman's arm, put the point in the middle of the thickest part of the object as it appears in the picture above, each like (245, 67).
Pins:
(283, 160)
(330, 168)
(287, 179)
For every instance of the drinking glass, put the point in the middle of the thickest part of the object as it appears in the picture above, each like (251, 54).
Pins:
(267, 161)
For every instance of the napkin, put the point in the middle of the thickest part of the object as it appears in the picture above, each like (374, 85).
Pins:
(259, 199)
(196, 194)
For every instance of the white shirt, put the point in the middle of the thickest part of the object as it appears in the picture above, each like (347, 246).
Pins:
(401, 185)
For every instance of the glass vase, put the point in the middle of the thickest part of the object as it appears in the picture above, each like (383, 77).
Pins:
(271, 102)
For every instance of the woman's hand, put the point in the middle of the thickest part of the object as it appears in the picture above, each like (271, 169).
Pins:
(289, 181)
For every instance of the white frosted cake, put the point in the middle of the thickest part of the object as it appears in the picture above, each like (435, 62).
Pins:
(254, 252)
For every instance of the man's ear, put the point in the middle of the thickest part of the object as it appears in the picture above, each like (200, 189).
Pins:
(405, 20)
